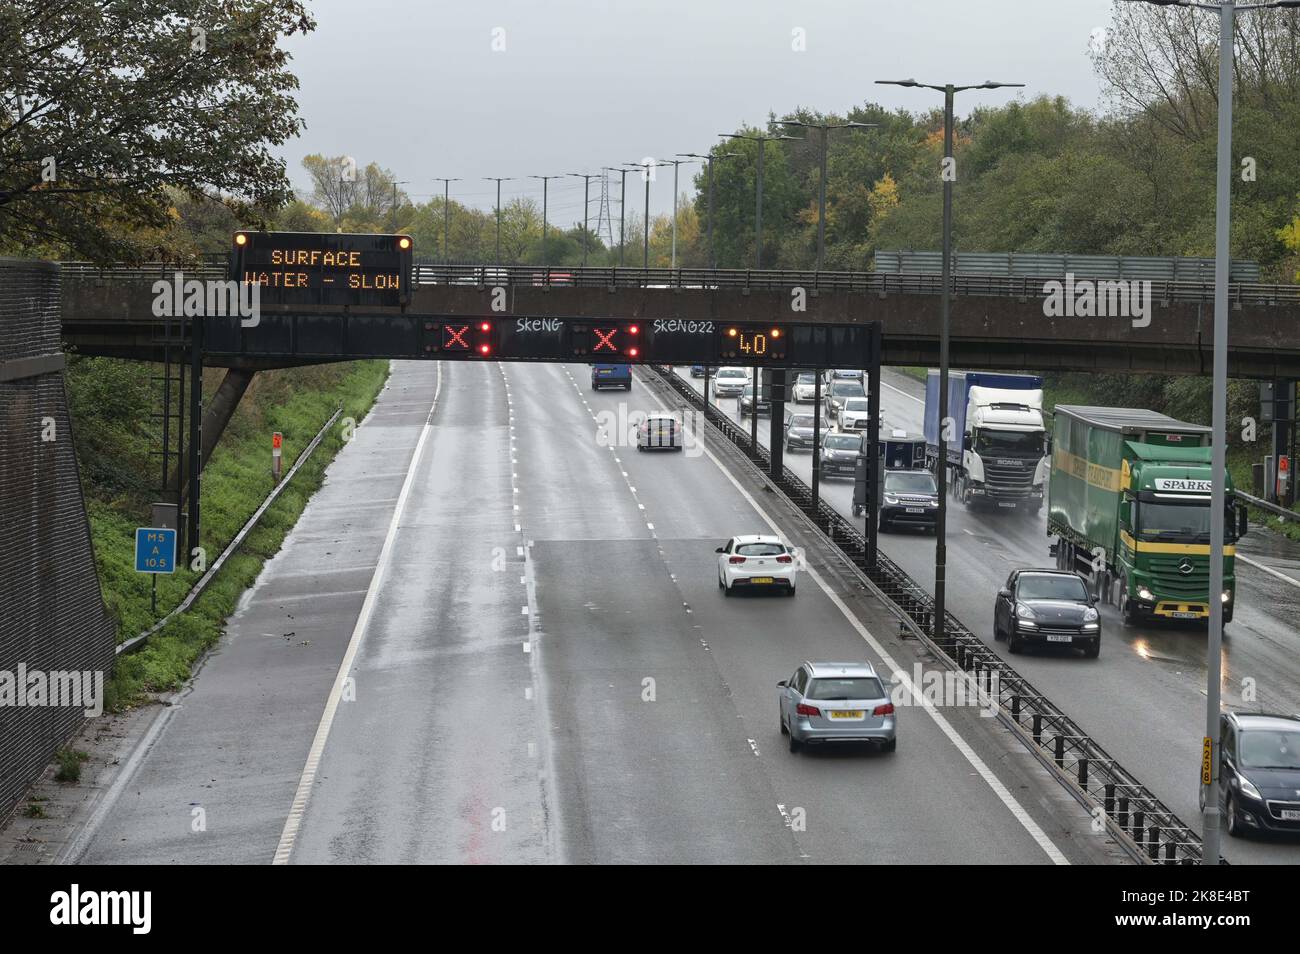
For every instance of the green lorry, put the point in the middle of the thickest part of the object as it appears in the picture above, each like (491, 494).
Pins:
(1129, 506)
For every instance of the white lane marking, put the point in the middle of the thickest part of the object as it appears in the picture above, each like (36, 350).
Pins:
(299, 806)
(910, 397)
(1269, 570)
(1004, 795)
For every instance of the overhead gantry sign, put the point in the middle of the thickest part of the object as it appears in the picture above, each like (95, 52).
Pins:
(337, 296)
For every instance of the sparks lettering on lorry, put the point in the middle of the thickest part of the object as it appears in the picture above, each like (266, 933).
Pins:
(1184, 484)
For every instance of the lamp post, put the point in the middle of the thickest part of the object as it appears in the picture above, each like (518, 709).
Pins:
(546, 181)
(941, 477)
(498, 180)
(645, 168)
(675, 164)
(395, 185)
(586, 178)
(446, 218)
(821, 198)
(713, 255)
(622, 202)
(758, 190)
(1227, 11)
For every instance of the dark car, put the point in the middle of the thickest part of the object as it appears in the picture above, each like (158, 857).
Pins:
(1259, 773)
(840, 390)
(1047, 608)
(611, 376)
(799, 430)
(697, 370)
(909, 498)
(839, 454)
(747, 401)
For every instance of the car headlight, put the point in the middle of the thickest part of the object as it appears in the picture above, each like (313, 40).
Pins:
(1090, 615)
(1249, 790)
(1227, 596)
(1024, 612)
(1091, 627)
(1145, 594)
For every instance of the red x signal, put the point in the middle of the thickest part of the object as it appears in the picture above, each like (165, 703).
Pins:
(454, 338)
(606, 339)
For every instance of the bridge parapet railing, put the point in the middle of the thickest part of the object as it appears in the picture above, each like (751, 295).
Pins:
(884, 284)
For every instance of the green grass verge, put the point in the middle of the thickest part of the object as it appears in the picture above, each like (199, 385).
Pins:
(116, 469)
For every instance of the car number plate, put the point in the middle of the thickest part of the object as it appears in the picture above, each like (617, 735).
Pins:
(1005, 503)
(846, 713)
(761, 579)
(1290, 814)
(1058, 638)
(916, 510)
(1185, 615)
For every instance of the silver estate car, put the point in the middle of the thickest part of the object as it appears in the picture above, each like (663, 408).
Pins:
(836, 702)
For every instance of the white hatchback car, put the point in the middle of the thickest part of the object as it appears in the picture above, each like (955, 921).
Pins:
(756, 562)
(729, 382)
(855, 414)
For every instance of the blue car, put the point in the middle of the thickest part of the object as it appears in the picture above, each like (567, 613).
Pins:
(611, 376)
(697, 370)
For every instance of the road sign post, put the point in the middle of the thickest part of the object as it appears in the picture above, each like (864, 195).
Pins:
(155, 550)
(276, 440)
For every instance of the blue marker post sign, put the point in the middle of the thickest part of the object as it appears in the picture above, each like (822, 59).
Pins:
(155, 550)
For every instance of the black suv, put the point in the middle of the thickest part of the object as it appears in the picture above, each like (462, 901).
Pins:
(909, 498)
(1047, 608)
(1259, 773)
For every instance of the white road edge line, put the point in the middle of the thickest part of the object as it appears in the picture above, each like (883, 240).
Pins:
(910, 397)
(1268, 569)
(1026, 821)
(299, 807)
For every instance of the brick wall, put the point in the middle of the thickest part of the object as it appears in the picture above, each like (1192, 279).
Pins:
(52, 616)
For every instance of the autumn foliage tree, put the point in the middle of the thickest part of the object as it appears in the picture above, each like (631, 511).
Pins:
(104, 107)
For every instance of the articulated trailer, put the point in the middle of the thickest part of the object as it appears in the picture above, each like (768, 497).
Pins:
(1129, 506)
(994, 444)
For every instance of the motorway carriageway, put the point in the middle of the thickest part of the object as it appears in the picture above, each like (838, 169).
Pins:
(448, 661)
(1143, 700)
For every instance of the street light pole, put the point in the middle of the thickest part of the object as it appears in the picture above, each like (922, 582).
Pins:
(941, 465)
(546, 181)
(622, 204)
(395, 185)
(821, 198)
(645, 168)
(498, 181)
(713, 254)
(676, 164)
(586, 207)
(446, 218)
(1227, 11)
(758, 191)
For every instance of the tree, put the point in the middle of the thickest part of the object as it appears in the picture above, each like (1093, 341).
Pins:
(1289, 235)
(356, 199)
(106, 104)
(300, 216)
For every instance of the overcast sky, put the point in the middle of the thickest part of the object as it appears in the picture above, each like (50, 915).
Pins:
(419, 88)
